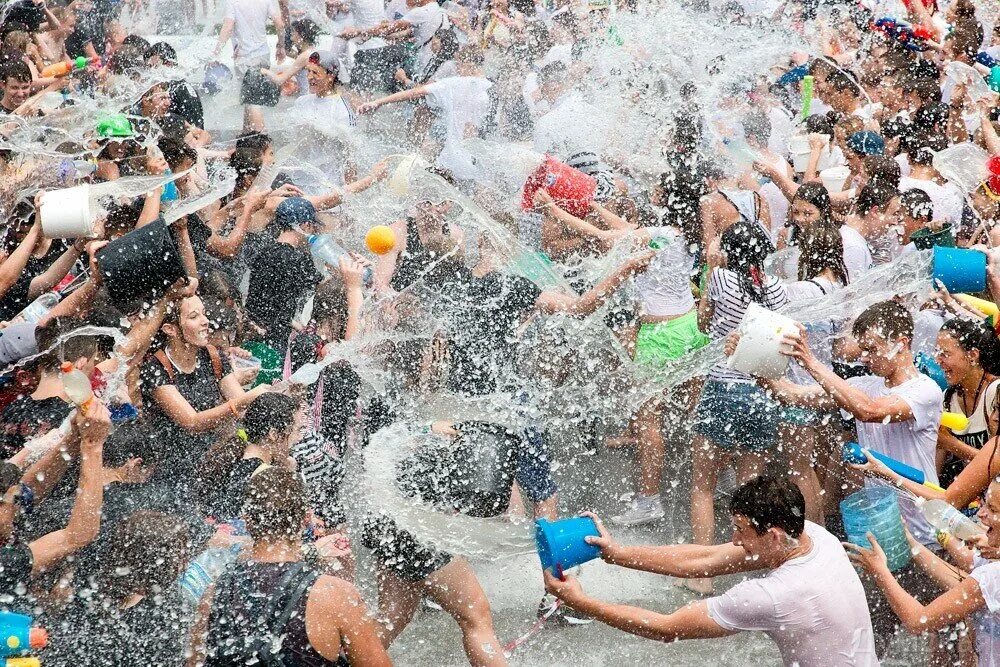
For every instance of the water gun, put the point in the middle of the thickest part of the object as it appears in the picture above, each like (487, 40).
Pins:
(852, 454)
(807, 95)
(956, 421)
(985, 307)
(23, 662)
(66, 66)
(913, 38)
(17, 636)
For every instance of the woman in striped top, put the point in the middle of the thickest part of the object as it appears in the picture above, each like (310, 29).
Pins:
(734, 416)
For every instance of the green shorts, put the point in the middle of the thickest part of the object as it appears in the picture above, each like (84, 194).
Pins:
(660, 342)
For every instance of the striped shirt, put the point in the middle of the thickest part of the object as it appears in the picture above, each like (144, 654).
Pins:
(730, 302)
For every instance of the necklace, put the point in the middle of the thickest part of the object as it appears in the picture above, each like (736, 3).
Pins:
(166, 350)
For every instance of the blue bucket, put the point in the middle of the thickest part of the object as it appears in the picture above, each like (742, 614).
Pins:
(960, 270)
(561, 544)
(876, 510)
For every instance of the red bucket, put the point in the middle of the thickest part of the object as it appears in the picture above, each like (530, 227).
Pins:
(571, 189)
(993, 165)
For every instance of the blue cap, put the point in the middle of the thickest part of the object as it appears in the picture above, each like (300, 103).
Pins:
(866, 142)
(293, 212)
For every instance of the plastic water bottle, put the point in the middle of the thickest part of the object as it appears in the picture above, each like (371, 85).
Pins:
(205, 570)
(76, 384)
(947, 519)
(39, 308)
(328, 251)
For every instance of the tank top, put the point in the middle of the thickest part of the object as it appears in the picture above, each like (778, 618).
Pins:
(665, 287)
(413, 261)
(257, 605)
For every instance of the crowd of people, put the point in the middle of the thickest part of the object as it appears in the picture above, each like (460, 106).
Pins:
(191, 502)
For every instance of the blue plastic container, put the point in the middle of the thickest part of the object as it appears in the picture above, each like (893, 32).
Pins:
(876, 510)
(960, 270)
(929, 366)
(561, 544)
(852, 454)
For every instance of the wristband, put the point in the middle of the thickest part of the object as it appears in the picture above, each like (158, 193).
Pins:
(232, 408)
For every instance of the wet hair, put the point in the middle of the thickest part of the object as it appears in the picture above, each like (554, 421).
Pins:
(819, 124)
(882, 170)
(746, 246)
(177, 153)
(71, 349)
(275, 505)
(822, 248)
(875, 195)
(917, 204)
(921, 143)
(143, 554)
(887, 318)
(926, 88)
(166, 52)
(138, 41)
(15, 69)
(965, 40)
(931, 115)
(128, 60)
(816, 194)
(971, 334)
(307, 29)
(843, 83)
(769, 502)
(757, 126)
(554, 72)
(330, 307)
(269, 412)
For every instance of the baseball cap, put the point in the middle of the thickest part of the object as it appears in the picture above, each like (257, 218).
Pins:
(866, 142)
(293, 212)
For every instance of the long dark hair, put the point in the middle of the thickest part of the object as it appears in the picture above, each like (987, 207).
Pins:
(746, 246)
(822, 248)
(817, 195)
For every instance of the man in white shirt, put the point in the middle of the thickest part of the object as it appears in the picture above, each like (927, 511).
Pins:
(896, 410)
(571, 125)
(424, 18)
(246, 22)
(810, 602)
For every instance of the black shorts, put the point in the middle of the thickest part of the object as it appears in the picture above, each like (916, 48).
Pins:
(399, 552)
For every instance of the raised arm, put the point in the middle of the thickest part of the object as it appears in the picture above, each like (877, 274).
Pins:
(586, 304)
(12, 266)
(401, 96)
(85, 518)
(46, 281)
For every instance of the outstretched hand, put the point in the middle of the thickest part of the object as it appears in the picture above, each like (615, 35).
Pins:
(872, 560)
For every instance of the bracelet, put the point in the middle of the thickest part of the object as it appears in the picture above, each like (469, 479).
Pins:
(232, 408)
(942, 538)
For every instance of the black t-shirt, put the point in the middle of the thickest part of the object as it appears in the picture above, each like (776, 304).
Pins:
(16, 298)
(179, 452)
(27, 418)
(485, 336)
(280, 278)
(229, 503)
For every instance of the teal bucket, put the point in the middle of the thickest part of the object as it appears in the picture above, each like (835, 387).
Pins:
(876, 510)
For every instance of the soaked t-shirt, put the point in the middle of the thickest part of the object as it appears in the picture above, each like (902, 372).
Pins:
(987, 621)
(280, 278)
(813, 607)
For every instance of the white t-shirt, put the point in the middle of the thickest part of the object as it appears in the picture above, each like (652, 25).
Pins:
(665, 287)
(571, 126)
(819, 334)
(367, 14)
(946, 199)
(463, 103)
(327, 126)
(425, 21)
(913, 442)
(250, 28)
(857, 253)
(813, 607)
(987, 621)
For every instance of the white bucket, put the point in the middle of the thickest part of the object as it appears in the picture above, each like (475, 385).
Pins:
(759, 350)
(798, 148)
(834, 178)
(399, 182)
(67, 213)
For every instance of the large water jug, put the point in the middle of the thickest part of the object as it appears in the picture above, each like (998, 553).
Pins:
(876, 510)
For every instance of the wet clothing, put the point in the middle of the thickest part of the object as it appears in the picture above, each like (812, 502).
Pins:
(281, 276)
(16, 298)
(976, 433)
(27, 418)
(16, 563)
(255, 604)
(179, 452)
(398, 551)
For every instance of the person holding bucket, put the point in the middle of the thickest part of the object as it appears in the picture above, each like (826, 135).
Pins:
(896, 410)
(973, 598)
(810, 603)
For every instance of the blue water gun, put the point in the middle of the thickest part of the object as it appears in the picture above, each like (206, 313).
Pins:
(17, 637)
(852, 453)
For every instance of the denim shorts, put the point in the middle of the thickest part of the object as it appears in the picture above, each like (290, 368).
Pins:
(534, 472)
(737, 416)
